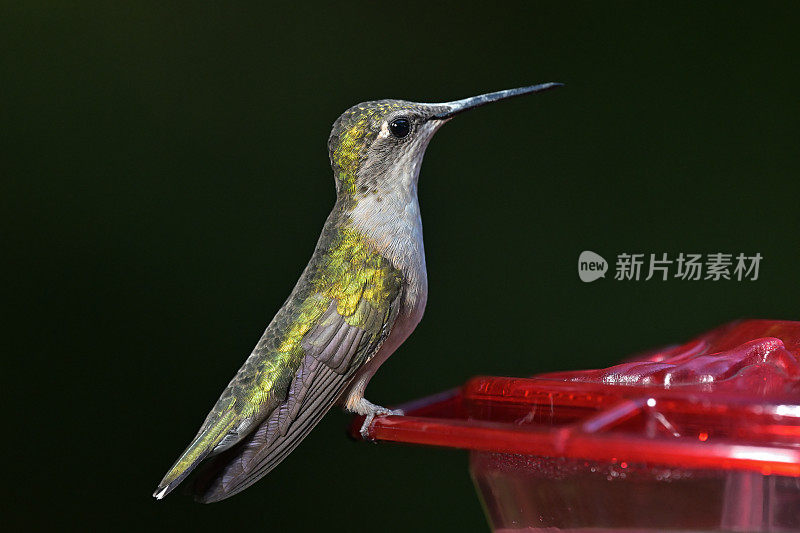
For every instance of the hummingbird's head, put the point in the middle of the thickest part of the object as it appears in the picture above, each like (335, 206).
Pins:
(377, 147)
(378, 144)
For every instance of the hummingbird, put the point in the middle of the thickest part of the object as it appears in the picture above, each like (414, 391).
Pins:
(361, 295)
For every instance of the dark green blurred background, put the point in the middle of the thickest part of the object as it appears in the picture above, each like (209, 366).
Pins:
(165, 177)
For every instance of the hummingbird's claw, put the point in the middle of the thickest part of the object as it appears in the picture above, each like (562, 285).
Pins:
(365, 426)
(370, 410)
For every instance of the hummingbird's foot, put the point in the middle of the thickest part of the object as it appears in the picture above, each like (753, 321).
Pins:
(370, 410)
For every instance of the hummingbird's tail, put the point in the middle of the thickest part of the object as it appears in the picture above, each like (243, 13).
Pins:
(214, 437)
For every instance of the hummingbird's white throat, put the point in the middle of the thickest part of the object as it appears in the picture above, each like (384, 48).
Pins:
(389, 215)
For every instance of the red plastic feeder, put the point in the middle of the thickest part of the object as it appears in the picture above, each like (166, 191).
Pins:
(703, 436)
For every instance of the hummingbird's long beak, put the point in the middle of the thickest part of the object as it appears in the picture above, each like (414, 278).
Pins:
(459, 106)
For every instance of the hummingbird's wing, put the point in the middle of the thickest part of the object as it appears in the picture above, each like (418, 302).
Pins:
(335, 350)
(338, 315)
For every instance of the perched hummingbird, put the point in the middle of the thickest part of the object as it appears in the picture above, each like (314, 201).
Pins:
(361, 295)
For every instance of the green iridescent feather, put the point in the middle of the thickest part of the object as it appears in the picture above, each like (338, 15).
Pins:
(346, 273)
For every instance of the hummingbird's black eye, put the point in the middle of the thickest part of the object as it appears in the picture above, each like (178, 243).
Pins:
(400, 127)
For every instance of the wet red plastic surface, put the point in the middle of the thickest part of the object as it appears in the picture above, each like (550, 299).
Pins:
(729, 399)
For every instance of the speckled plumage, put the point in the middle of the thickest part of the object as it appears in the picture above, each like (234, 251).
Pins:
(362, 293)
(355, 286)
